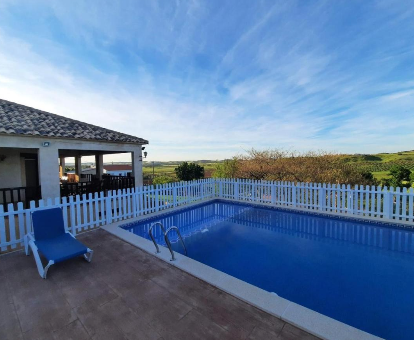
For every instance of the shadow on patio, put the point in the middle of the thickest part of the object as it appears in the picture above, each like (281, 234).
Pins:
(123, 294)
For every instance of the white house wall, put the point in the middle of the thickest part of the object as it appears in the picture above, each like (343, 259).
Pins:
(11, 169)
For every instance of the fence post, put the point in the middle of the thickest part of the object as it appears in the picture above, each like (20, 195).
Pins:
(350, 199)
(20, 221)
(273, 193)
(294, 187)
(108, 208)
(187, 192)
(65, 212)
(236, 189)
(2, 228)
(322, 197)
(175, 195)
(157, 197)
(134, 202)
(12, 229)
(202, 188)
(388, 203)
(220, 188)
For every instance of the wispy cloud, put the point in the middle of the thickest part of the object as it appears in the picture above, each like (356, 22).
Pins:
(201, 79)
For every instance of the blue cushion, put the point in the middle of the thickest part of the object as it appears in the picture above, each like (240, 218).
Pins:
(61, 248)
(48, 223)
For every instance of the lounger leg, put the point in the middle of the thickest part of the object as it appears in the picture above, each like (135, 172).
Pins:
(47, 268)
(26, 244)
(88, 255)
(42, 271)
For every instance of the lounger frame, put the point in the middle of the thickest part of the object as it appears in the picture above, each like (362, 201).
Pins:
(29, 244)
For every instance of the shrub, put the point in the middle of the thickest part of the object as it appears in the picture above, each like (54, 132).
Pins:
(399, 174)
(227, 169)
(316, 167)
(163, 179)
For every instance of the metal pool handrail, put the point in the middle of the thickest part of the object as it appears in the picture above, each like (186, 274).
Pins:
(167, 240)
(180, 237)
(152, 237)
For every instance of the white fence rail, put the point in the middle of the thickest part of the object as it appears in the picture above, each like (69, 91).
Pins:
(87, 212)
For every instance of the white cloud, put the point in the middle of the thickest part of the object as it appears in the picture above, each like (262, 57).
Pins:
(286, 86)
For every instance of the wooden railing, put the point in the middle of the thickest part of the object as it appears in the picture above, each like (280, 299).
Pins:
(19, 194)
(88, 177)
(107, 183)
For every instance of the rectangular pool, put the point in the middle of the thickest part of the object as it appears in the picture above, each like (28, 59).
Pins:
(356, 272)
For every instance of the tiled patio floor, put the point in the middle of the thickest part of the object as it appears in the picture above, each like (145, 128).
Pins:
(124, 293)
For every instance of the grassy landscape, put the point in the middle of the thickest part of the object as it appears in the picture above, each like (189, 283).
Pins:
(378, 164)
(167, 168)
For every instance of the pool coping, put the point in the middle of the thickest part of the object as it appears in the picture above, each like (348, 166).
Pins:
(312, 322)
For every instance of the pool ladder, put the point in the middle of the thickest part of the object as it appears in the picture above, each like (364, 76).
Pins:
(167, 240)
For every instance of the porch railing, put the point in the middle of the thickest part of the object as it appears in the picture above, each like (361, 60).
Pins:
(19, 194)
(104, 185)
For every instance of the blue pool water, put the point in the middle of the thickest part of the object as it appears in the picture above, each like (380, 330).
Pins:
(359, 273)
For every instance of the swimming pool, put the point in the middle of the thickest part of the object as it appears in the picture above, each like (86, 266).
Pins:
(356, 272)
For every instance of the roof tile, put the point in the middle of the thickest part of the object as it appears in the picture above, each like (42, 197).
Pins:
(24, 120)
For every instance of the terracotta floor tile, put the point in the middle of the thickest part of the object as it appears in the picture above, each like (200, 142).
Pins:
(9, 322)
(290, 332)
(125, 293)
(73, 331)
(260, 333)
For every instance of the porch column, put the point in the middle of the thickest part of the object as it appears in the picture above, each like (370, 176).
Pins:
(62, 166)
(136, 157)
(78, 167)
(99, 166)
(49, 172)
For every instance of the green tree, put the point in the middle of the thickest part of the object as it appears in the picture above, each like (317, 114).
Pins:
(189, 171)
(399, 174)
(368, 177)
(226, 169)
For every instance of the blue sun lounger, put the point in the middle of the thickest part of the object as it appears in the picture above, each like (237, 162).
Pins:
(51, 240)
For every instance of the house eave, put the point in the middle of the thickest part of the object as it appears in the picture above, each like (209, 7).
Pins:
(144, 142)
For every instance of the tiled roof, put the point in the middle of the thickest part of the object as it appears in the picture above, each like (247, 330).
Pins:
(117, 167)
(16, 119)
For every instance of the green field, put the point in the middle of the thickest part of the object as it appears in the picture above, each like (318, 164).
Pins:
(167, 168)
(380, 164)
(379, 175)
(403, 157)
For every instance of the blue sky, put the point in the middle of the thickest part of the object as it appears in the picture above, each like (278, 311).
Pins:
(210, 79)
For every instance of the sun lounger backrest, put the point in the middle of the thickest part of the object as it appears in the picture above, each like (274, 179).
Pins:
(48, 223)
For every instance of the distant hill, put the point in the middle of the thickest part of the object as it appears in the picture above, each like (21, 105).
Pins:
(382, 157)
(381, 163)
(147, 163)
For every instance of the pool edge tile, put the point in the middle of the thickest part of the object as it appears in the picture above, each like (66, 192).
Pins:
(323, 326)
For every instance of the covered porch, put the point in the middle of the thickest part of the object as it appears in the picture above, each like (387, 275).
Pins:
(30, 174)
(93, 179)
(34, 145)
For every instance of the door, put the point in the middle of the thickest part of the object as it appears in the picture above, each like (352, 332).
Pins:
(32, 177)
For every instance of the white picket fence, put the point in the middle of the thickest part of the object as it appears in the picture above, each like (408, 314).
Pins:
(87, 212)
